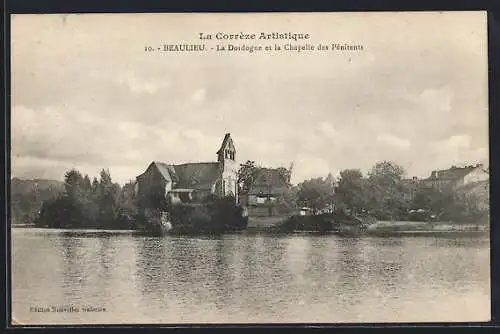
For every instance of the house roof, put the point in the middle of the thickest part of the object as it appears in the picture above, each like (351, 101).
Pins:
(201, 175)
(452, 174)
(269, 181)
(190, 175)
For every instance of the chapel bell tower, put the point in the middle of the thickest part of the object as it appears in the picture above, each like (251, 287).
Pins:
(226, 156)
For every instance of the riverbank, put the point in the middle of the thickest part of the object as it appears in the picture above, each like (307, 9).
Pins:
(380, 228)
(26, 225)
(428, 226)
(372, 228)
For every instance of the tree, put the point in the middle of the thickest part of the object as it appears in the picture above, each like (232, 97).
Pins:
(351, 190)
(74, 202)
(387, 169)
(73, 182)
(60, 212)
(386, 190)
(108, 195)
(95, 185)
(285, 173)
(431, 199)
(316, 193)
(90, 212)
(86, 185)
(289, 199)
(246, 176)
(127, 206)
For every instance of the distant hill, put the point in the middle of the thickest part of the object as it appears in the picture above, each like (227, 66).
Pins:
(27, 197)
(23, 185)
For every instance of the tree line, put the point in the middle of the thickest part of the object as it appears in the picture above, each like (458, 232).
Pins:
(383, 193)
(100, 203)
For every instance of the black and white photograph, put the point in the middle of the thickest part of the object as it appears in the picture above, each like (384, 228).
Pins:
(249, 168)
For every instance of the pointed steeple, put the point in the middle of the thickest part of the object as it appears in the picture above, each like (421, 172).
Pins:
(226, 150)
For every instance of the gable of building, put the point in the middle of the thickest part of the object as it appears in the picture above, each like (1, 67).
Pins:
(156, 169)
(270, 182)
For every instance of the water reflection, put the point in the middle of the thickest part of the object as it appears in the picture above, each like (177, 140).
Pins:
(106, 253)
(250, 254)
(386, 270)
(351, 268)
(459, 242)
(386, 242)
(151, 258)
(73, 273)
(318, 265)
(223, 273)
(272, 254)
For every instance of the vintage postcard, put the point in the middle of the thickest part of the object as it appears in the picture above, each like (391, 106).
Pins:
(250, 168)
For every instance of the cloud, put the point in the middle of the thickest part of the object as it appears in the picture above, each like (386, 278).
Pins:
(137, 85)
(457, 150)
(453, 143)
(51, 138)
(31, 167)
(436, 100)
(308, 166)
(394, 141)
(199, 95)
(78, 103)
(329, 131)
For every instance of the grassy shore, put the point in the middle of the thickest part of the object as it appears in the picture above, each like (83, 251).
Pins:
(426, 226)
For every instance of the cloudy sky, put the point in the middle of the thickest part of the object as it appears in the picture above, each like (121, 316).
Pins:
(85, 94)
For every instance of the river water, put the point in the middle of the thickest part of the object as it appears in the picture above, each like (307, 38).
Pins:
(121, 278)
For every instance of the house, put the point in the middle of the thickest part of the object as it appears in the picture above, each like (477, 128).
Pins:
(327, 209)
(305, 211)
(269, 188)
(192, 181)
(457, 177)
(268, 185)
(410, 187)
